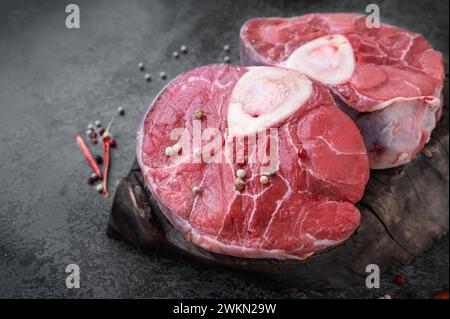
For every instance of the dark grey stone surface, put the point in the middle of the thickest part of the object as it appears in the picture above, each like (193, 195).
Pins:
(53, 81)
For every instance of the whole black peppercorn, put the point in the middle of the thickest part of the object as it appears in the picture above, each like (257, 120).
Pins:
(99, 159)
(91, 180)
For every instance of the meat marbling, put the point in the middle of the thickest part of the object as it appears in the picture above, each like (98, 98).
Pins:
(317, 173)
(388, 79)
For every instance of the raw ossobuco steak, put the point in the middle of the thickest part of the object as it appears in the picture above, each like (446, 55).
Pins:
(294, 202)
(388, 79)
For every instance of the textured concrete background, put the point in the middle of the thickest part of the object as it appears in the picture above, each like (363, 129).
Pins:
(53, 81)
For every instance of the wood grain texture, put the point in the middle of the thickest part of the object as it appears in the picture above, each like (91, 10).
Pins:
(404, 211)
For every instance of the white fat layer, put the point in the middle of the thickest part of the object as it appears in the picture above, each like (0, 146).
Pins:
(432, 101)
(333, 63)
(295, 90)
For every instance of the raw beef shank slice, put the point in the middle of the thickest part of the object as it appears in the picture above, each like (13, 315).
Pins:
(388, 79)
(298, 203)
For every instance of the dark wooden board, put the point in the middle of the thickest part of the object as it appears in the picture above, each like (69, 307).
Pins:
(404, 211)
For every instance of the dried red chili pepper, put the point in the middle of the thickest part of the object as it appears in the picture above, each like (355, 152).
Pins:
(88, 155)
(106, 157)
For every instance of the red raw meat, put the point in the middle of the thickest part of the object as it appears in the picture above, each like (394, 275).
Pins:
(320, 169)
(388, 79)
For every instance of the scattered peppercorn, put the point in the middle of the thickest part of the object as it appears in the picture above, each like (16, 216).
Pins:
(91, 180)
(121, 111)
(92, 134)
(441, 295)
(147, 77)
(183, 49)
(94, 141)
(196, 189)
(226, 48)
(263, 179)
(240, 173)
(91, 126)
(99, 188)
(162, 75)
(175, 54)
(99, 159)
(101, 130)
(98, 123)
(399, 280)
(199, 114)
(112, 142)
(141, 66)
(239, 184)
(226, 59)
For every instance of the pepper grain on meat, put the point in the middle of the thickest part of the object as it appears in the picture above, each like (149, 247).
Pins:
(240, 173)
(199, 114)
(239, 184)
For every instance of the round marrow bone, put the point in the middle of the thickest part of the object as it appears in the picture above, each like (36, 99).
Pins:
(328, 59)
(264, 97)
